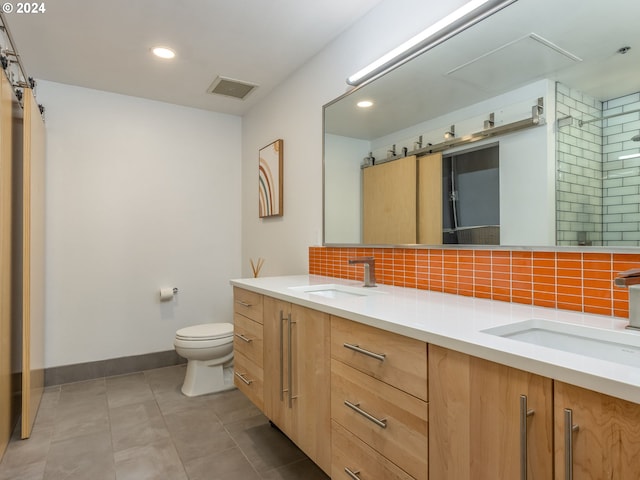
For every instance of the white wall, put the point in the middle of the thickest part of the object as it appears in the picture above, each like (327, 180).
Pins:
(293, 112)
(342, 203)
(140, 195)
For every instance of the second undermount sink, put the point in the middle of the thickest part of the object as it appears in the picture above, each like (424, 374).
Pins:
(614, 346)
(334, 290)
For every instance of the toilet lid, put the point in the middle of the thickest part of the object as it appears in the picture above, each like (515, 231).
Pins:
(206, 331)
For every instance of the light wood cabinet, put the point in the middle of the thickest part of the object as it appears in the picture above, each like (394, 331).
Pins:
(378, 403)
(351, 456)
(596, 436)
(487, 420)
(297, 380)
(390, 421)
(248, 304)
(365, 403)
(248, 345)
(389, 357)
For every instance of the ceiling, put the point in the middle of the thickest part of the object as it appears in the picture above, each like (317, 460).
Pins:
(105, 45)
(572, 41)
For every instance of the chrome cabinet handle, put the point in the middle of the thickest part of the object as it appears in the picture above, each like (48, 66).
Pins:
(352, 474)
(356, 348)
(356, 407)
(282, 389)
(241, 376)
(243, 338)
(290, 362)
(524, 414)
(244, 304)
(569, 429)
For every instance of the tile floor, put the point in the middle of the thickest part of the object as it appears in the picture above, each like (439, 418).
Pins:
(140, 427)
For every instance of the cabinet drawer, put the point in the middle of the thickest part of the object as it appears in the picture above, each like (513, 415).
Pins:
(248, 304)
(404, 364)
(248, 377)
(248, 338)
(390, 421)
(349, 452)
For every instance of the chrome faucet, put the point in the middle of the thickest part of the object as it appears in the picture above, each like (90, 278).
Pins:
(369, 269)
(631, 280)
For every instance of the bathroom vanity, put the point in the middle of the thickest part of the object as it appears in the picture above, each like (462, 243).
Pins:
(399, 383)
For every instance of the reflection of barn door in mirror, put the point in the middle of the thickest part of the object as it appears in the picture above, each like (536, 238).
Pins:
(389, 202)
(430, 199)
(33, 263)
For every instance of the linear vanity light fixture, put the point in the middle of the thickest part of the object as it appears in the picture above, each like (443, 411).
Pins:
(464, 17)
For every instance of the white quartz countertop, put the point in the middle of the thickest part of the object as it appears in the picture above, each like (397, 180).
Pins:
(456, 322)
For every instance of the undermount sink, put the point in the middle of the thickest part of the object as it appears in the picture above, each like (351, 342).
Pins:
(334, 290)
(613, 346)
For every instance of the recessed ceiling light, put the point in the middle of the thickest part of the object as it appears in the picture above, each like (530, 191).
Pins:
(365, 103)
(163, 52)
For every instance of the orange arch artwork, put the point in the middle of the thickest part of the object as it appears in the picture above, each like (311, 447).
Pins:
(270, 180)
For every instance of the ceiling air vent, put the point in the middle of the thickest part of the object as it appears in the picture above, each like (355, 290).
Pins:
(231, 88)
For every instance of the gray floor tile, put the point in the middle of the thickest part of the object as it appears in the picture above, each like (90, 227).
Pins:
(82, 457)
(197, 433)
(78, 390)
(294, 471)
(166, 379)
(153, 461)
(31, 471)
(25, 452)
(140, 426)
(264, 446)
(128, 389)
(226, 465)
(232, 406)
(136, 425)
(77, 417)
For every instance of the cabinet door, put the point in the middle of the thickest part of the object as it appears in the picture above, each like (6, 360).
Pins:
(276, 314)
(311, 383)
(606, 441)
(479, 427)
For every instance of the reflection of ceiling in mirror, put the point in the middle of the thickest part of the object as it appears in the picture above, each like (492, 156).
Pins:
(527, 41)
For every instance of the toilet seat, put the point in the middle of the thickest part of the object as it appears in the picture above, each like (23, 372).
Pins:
(205, 332)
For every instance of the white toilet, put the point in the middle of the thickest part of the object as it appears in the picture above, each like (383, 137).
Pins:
(209, 350)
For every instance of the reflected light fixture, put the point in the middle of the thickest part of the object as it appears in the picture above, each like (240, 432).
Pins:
(364, 103)
(464, 17)
(627, 157)
(163, 52)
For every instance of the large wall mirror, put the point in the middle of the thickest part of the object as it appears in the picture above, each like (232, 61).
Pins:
(523, 130)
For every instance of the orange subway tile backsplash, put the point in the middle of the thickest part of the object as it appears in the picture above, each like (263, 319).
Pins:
(576, 281)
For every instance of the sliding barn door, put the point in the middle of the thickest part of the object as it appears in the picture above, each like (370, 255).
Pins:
(430, 199)
(389, 202)
(33, 262)
(6, 234)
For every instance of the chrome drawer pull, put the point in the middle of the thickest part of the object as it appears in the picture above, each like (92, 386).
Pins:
(290, 361)
(241, 377)
(569, 429)
(524, 414)
(282, 389)
(242, 337)
(244, 304)
(352, 474)
(356, 348)
(356, 408)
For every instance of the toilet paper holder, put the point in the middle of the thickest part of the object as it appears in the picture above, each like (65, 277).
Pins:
(167, 293)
